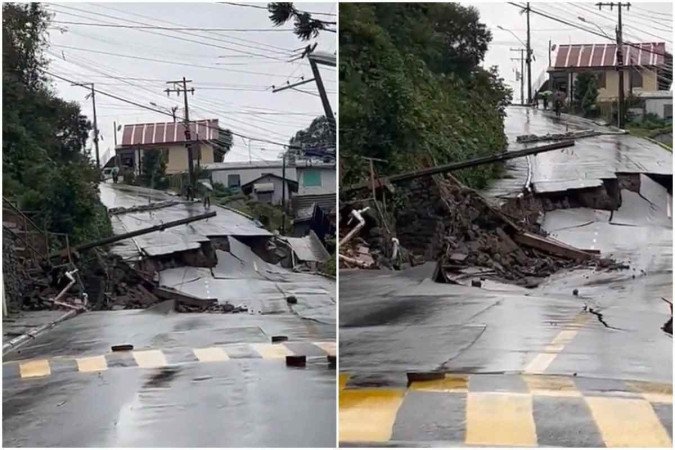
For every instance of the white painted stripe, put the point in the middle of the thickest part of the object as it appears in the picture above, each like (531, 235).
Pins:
(133, 133)
(165, 127)
(604, 50)
(567, 58)
(175, 132)
(143, 134)
(154, 132)
(581, 52)
(590, 61)
(616, 47)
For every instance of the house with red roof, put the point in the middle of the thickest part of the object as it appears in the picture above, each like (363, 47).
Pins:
(647, 68)
(209, 144)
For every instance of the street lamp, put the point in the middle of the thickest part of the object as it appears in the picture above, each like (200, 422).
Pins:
(514, 34)
(172, 109)
(596, 25)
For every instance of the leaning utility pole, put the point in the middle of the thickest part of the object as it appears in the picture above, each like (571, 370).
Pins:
(188, 138)
(522, 75)
(619, 59)
(529, 58)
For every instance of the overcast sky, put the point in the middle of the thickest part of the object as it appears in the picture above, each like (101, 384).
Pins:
(232, 71)
(637, 27)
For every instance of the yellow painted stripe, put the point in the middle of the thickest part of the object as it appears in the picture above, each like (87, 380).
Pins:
(494, 419)
(451, 383)
(344, 377)
(628, 422)
(552, 386)
(653, 392)
(37, 368)
(272, 351)
(328, 347)
(210, 354)
(543, 360)
(150, 359)
(92, 364)
(368, 415)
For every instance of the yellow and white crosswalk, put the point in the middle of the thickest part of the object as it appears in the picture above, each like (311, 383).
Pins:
(537, 415)
(157, 358)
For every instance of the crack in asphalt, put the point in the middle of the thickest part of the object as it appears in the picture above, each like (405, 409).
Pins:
(599, 315)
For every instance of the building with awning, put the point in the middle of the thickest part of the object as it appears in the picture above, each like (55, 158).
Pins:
(647, 67)
(210, 143)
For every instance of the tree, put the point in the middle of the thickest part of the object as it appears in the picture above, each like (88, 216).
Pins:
(154, 169)
(316, 140)
(306, 27)
(586, 92)
(412, 90)
(45, 167)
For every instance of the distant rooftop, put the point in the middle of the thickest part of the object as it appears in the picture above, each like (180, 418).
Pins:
(143, 134)
(604, 55)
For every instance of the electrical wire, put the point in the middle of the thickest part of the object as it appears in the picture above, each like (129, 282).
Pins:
(285, 54)
(116, 97)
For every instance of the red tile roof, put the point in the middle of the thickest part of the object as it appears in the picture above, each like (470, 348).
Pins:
(168, 132)
(604, 55)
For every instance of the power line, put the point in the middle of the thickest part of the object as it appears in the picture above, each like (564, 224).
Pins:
(587, 30)
(162, 61)
(178, 37)
(265, 8)
(129, 13)
(157, 27)
(107, 94)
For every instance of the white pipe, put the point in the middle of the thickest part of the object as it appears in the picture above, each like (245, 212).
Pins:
(354, 261)
(69, 275)
(357, 215)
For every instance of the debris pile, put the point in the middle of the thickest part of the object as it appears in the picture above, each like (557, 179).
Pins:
(476, 235)
(440, 219)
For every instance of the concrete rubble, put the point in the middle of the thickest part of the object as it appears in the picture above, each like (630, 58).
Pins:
(439, 219)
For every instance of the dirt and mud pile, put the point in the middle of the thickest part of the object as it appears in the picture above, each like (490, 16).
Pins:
(439, 219)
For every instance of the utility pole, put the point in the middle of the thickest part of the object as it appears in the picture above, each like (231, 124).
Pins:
(188, 138)
(93, 100)
(619, 58)
(529, 58)
(283, 191)
(522, 74)
(117, 157)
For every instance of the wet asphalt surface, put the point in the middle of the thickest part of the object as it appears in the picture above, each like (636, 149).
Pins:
(608, 336)
(192, 380)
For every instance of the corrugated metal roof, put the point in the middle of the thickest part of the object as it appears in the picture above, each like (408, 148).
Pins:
(604, 55)
(168, 132)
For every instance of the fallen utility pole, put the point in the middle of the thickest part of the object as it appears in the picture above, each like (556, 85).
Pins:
(464, 164)
(120, 237)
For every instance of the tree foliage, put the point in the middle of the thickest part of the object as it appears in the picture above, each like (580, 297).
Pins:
(316, 140)
(45, 168)
(586, 92)
(306, 27)
(412, 91)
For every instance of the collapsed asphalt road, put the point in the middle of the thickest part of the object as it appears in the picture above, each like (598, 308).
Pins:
(191, 379)
(524, 366)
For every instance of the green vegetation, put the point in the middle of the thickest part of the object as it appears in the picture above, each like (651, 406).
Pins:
(153, 170)
(412, 91)
(586, 93)
(45, 166)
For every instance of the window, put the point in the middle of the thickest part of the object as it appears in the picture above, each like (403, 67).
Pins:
(635, 79)
(668, 111)
(602, 79)
(311, 178)
(233, 181)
